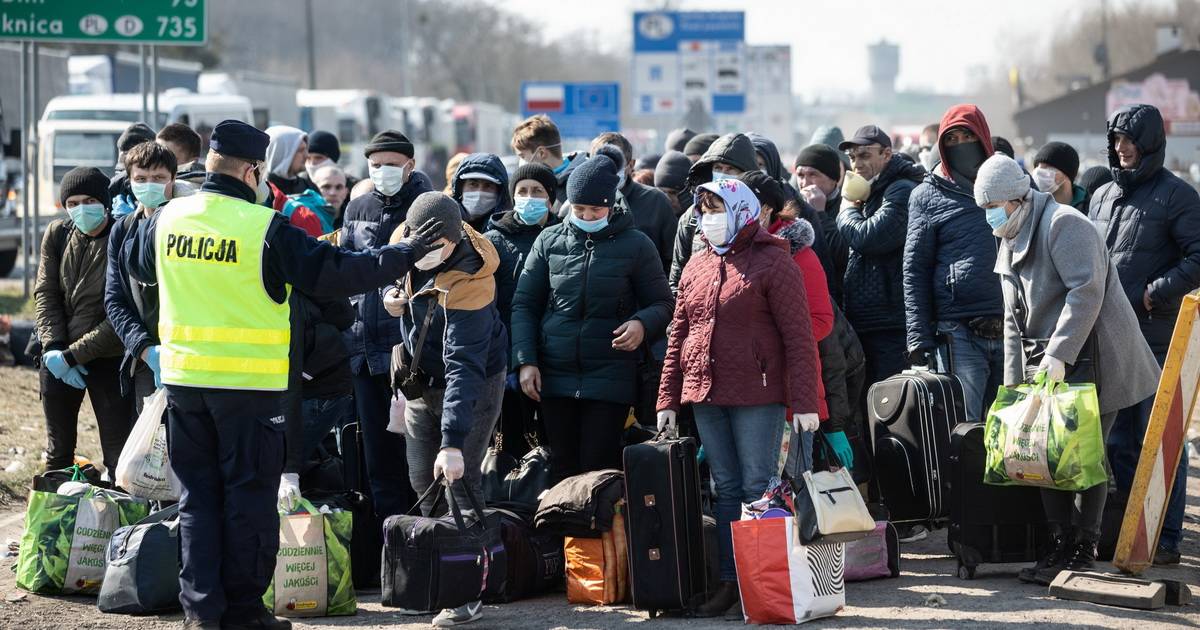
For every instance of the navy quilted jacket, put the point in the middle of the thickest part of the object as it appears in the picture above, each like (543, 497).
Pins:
(1150, 221)
(873, 287)
(948, 260)
(370, 221)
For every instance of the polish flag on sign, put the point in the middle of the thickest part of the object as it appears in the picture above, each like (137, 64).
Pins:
(544, 98)
(1163, 444)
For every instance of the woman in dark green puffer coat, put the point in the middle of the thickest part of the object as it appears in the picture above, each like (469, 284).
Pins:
(591, 296)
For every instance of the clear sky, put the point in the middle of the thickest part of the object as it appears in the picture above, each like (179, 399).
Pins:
(942, 42)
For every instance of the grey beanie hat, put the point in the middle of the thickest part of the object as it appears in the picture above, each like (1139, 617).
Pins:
(436, 205)
(1000, 179)
(672, 170)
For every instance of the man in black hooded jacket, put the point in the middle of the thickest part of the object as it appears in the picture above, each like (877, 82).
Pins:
(1150, 221)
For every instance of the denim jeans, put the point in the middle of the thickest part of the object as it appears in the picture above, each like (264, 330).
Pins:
(1124, 449)
(321, 415)
(977, 362)
(423, 424)
(742, 448)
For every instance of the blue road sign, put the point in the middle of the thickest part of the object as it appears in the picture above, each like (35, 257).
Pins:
(581, 110)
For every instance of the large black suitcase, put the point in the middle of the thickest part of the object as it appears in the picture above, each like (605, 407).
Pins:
(142, 576)
(664, 526)
(366, 537)
(989, 524)
(912, 415)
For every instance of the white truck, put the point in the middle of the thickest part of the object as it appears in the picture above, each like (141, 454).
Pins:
(273, 97)
(354, 116)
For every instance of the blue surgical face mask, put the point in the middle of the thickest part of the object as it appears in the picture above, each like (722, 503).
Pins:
(87, 216)
(718, 176)
(150, 194)
(530, 210)
(997, 217)
(591, 227)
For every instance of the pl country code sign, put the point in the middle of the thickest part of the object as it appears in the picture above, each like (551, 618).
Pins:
(1163, 443)
(173, 22)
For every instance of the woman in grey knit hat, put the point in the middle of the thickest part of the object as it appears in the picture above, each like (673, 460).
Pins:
(1066, 315)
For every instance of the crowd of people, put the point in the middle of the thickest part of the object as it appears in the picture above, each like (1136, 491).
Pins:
(710, 288)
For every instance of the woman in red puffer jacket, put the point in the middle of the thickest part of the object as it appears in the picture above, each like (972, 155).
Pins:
(741, 351)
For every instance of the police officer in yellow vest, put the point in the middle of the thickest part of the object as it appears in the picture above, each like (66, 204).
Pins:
(224, 266)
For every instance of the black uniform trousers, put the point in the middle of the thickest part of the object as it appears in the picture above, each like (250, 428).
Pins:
(227, 447)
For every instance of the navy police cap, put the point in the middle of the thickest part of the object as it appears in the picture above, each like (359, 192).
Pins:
(235, 138)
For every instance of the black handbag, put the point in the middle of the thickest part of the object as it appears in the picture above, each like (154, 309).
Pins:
(514, 485)
(436, 563)
(494, 469)
(1085, 369)
(409, 380)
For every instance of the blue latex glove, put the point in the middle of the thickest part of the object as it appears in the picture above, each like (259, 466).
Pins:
(56, 363)
(841, 448)
(74, 377)
(152, 362)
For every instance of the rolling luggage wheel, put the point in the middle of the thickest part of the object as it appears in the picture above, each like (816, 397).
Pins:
(653, 613)
(965, 572)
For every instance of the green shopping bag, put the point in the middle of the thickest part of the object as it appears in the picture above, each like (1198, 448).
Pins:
(1047, 435)
(312, 569)
(63, 548)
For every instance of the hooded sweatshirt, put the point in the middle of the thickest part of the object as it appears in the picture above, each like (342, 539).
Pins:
(950, 251)
(970, 117)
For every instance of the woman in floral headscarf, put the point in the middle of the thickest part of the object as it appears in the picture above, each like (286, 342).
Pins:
(741, 350)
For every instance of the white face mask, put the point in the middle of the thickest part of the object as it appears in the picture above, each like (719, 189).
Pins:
(262, 191)
(311, 169)
(478, 203)
(715, 227)
(621, 179)
(1047, 180)
(430, 260)
(388, 179)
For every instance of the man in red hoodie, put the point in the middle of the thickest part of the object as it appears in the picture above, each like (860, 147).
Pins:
(953, 303)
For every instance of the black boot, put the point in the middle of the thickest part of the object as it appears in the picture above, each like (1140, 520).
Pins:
(724, 598)
(1061, 546)
(1083, 554)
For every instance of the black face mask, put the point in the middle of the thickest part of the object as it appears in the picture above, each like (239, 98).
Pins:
(966, 158)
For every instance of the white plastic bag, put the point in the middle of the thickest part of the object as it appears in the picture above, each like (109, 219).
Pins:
(144, 469)
(396, 415)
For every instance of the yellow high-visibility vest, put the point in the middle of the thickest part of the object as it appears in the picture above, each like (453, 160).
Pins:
(217, 325)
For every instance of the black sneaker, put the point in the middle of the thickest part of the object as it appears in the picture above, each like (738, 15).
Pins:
(1166, 557)
(200, 624)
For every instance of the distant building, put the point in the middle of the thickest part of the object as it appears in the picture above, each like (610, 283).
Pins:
(1080, 117)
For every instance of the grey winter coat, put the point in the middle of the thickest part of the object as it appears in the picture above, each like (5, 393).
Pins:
(1061, 265)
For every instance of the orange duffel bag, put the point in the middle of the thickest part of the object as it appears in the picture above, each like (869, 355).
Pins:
(598, 568)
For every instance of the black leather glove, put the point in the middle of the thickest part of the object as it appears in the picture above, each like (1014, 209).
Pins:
(422, 240)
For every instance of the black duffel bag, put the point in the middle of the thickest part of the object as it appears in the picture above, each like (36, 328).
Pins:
(436, 563)
(142, 576)
(535, 559)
